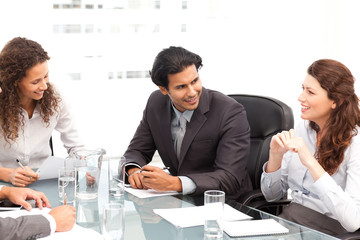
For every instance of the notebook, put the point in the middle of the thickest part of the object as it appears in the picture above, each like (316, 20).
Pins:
(254, 228)
(194, 216)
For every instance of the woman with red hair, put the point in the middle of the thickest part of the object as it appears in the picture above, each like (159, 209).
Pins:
(319, 161)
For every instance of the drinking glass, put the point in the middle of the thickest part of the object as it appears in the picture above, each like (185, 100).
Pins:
(116, 174)
(113, 222)
(67, 185)
(214, 212)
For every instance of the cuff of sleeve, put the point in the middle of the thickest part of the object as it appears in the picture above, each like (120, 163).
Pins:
(188, 185)
(1, 186)
(323, 184)
(269, 178)
(129, 165)
(51, 221)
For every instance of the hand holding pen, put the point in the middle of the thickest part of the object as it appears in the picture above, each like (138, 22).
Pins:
(151, 177)
(22, 176)
(142, 169)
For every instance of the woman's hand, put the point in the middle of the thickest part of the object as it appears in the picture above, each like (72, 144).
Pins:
(286, 141)
(279, 142)
(278, 147)
(306, 157)
(23, 177)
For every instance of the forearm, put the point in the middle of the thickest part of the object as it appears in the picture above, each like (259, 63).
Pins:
(216, 180)
(274, 162)
(24, 227)
(315, 169)
(175, 184)
(341, 203)
(5, 174)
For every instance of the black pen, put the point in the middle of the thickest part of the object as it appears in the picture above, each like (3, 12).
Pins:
(20, 164)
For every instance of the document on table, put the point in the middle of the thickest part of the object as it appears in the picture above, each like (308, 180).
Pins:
(49, 168)
(194, 216)
(77, 232)
(142, 193)
(254, 228)
(10, 208)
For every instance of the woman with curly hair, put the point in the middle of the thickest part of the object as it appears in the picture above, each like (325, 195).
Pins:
(320, 161)
(30, 109)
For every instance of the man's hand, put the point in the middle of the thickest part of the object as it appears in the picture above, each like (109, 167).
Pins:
(64, 216)
(135, 178)
(155, 178)
(20, 195)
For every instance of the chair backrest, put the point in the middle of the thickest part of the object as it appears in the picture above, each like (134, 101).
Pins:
(267, 116)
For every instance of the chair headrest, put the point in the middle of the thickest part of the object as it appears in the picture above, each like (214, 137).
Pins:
(266, 115)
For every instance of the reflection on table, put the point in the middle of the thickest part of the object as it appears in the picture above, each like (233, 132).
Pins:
(142, 223)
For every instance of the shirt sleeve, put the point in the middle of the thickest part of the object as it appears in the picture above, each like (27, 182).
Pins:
(345, 207)
(188, 185)
(68, 131)
(271, 184)
(51, 221)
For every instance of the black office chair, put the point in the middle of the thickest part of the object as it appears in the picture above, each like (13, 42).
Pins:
(267, 116)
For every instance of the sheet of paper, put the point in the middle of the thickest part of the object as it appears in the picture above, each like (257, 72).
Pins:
(254, 228)
(49, 169)
(194, 216)
(76, 233)
(23, 212)
(142, 193)
(9, 208)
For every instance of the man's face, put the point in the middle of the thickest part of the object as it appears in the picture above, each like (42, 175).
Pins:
(184, 89)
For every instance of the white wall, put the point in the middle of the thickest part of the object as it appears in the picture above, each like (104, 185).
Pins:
(257, 47)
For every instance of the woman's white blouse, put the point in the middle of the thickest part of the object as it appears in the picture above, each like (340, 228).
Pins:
(32, 145)
(337, 196)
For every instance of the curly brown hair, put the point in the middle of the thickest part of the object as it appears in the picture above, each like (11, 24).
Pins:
(338, 81)
(16, 58)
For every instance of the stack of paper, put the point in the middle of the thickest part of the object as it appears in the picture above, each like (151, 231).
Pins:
(194, 216)
(254, 228)
(142, 193)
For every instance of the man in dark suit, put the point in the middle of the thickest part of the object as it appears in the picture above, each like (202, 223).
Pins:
(59, 219)
(202, 136)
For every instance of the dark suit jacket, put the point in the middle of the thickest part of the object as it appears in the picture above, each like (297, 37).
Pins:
(214, 149)
(25, 227)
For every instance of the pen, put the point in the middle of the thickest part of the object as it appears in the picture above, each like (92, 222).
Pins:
(20, 164)
(164, 168)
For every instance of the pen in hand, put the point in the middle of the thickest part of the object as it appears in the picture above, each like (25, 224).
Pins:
(20, 164)
(164, 168)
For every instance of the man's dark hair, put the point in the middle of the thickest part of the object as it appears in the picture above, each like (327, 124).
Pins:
(172, 60)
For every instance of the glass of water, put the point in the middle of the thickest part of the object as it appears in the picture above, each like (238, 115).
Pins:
(214, 212)
(113, 222)
(116, 174)
(67, 185)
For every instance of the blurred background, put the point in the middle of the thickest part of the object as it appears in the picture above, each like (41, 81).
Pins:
(101, 50)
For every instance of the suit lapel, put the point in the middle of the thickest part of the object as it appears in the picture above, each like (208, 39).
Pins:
(197, 121)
